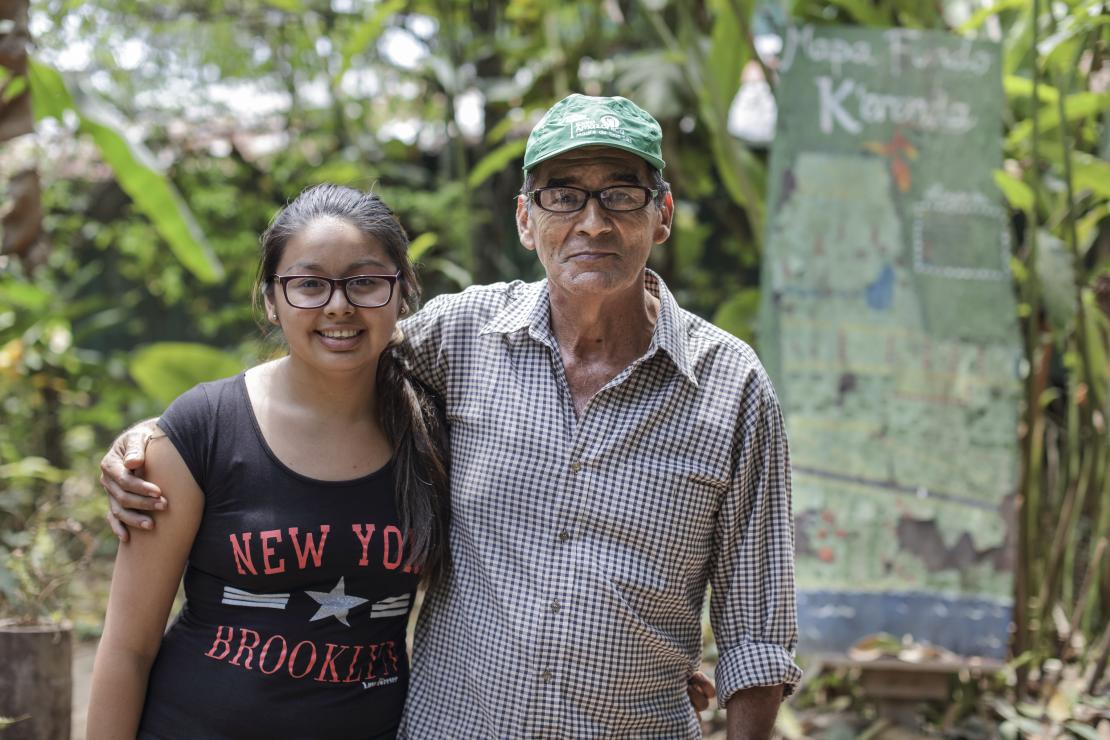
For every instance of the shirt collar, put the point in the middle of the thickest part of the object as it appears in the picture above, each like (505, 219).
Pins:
(532, 310)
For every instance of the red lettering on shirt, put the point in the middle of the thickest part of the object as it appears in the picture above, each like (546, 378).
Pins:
(266, 651)
(329, 663)
(391, 556)
(377, 662)
(293, 658)
(242, 554)
(243, 646)
(353, 670)
(309, 546)
(268, 551)
(221, 641)
(364, 532)
(373, 650)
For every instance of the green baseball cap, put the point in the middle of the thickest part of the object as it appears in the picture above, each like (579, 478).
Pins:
(583, 120)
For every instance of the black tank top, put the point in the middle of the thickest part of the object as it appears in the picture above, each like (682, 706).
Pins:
(296, 593)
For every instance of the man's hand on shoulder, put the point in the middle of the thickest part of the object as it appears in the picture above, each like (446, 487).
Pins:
(121, 472)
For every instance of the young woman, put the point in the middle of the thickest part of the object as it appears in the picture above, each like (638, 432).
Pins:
(309, 498)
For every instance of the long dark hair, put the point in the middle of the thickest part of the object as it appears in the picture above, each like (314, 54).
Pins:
(408, 413)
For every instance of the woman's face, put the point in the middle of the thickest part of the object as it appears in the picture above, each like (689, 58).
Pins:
(337, 337)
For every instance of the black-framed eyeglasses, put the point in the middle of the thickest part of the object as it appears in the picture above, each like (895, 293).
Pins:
(567, 199)
(313, 291)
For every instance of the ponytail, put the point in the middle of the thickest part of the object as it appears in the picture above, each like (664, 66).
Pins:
(416, 428)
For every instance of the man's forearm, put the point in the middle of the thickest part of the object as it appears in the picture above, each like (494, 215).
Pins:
(751, 712)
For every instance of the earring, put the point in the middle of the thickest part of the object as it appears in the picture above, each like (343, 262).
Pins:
(404, 309)
(273, 316)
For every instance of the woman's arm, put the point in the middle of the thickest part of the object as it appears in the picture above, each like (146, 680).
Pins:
(144, 583)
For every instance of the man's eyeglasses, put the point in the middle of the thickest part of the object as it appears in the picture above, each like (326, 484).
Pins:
(313, 291)
(566, 199)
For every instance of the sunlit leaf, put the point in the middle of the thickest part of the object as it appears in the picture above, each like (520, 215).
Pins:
(421, 244)
(14, 89)
(1091, 173)
(49, 96)
(134, 167)
(1022, 87)
(1018, 40)
(34, 468)
(339, 172)
(728, 51)
(738, 314)
(496, 161)
(167, 369)
(1084, 731)
(9, 721)
(289, 6)
(450, 270)
(1086, 228)
(1054, 48)
(23, 295)
(1018, 194)
(1078, 106)
(980, 16)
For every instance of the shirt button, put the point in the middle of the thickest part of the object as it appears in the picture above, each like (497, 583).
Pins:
(564, 536)
(546, 676)
(575, 466)
(555, 605)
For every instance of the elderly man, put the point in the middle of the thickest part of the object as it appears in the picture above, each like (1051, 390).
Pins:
(612, 454)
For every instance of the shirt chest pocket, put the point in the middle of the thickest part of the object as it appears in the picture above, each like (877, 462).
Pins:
(665, 516)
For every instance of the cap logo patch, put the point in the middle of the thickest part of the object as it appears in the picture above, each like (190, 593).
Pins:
(608, 125)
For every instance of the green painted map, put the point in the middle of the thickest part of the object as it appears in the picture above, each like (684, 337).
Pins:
(889, 328)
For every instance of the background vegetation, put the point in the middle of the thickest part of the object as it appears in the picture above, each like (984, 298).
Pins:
(167, 134)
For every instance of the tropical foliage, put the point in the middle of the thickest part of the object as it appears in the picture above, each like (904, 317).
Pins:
(166, 134)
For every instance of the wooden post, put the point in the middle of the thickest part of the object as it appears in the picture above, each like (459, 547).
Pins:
(36, 680)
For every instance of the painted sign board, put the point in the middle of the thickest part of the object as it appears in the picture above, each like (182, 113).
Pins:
(889, 327)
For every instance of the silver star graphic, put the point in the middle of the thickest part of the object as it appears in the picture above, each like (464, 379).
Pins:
(335, 603)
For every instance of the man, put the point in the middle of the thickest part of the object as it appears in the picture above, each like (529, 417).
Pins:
(611, 455)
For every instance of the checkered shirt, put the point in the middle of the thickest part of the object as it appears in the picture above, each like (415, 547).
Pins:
(582, 546)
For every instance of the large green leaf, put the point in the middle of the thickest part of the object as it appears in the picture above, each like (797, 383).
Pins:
(979, 17)
(738, 314)
(1079, 106)
(24, 295)
(728, 51)
(1018, 40)
(496, 161)
(134, 166)
(1090, 173)
(421, 244)
(1018, 194)
(1059, 49)
(1022, 87)
(167, 369)
(49, 96)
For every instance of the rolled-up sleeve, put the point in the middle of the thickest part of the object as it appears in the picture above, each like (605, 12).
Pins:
(753, 609)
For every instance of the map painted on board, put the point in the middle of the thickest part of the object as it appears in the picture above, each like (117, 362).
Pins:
(889, 327)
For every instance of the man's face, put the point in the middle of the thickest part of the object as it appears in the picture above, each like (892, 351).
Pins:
(593, 251)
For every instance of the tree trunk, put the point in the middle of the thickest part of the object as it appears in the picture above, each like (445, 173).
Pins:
(36, 680)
